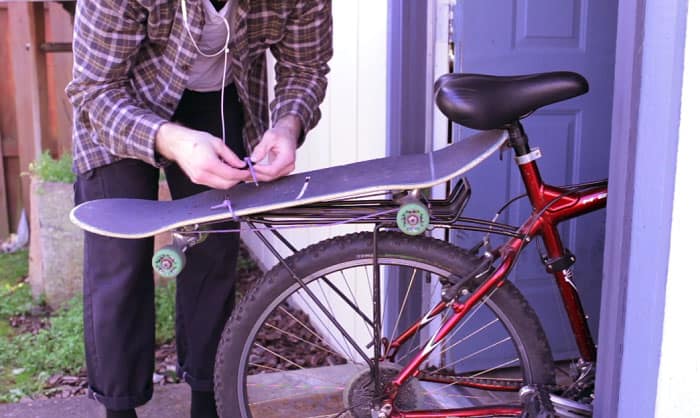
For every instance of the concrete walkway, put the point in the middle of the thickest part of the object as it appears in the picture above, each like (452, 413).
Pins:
(170, 401)
(301, 393)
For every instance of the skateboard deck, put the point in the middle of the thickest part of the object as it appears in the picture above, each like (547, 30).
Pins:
(138, 218)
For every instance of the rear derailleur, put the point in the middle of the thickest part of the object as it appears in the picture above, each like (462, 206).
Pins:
(536, 402)
(581, 390)
(574, 401)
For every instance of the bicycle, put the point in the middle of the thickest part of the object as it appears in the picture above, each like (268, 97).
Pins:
(454, 338)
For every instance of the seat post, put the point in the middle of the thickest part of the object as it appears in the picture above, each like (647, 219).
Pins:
(517, 139)
(525, 159)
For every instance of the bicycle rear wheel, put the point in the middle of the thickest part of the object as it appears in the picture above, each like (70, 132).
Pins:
(281, 356)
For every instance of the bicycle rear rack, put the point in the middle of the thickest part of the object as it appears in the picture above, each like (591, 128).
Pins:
(444, 213)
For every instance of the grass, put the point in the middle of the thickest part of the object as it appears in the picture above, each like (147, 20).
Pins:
(27, 360)
(15, 294)
(165, 312)
(13, 267)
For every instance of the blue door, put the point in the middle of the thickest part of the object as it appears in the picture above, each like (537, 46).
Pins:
(505, 37)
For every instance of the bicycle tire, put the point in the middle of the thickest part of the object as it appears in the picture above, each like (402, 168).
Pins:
(239, 339)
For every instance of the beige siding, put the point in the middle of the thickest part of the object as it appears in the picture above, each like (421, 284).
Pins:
(353, 125)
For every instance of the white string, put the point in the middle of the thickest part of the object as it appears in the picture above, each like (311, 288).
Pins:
(224, 50)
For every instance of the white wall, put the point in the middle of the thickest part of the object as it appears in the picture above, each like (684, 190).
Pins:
(678, 384)
(353, 122)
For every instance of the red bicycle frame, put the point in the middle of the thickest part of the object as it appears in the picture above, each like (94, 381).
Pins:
(551, 205)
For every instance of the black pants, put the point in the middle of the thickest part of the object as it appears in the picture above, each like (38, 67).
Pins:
(119, 312)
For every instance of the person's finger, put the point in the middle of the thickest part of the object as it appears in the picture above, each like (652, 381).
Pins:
(262, 149)
(221, 184)
(227, 155)
(218, 174)
(225, 171)
(213, 181)
(270, 172)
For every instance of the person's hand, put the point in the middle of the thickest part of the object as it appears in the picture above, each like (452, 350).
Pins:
(279, 145)
(204, 158)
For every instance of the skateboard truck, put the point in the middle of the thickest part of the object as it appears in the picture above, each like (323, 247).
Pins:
(170, 260)
(413, 217)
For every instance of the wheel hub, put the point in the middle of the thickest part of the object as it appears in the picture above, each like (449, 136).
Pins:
(359, 396)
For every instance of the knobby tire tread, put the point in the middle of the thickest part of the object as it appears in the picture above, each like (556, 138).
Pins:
(333, 251)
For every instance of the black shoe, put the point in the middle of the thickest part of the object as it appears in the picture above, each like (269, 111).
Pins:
(130, 413)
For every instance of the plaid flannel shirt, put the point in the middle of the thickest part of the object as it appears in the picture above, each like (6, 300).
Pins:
(131, 62)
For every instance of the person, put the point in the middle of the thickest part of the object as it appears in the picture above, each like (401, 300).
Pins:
(180, 85)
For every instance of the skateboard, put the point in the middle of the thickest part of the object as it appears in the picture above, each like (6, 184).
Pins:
(137, 218)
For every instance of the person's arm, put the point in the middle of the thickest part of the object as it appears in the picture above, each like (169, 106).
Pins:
(107, 37)
(302, 65)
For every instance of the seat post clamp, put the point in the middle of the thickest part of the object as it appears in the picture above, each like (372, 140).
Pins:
(529, 157)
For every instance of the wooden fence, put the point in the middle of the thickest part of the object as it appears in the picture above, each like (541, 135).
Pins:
(35, 115)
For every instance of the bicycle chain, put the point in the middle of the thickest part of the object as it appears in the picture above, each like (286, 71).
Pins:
(474, 381)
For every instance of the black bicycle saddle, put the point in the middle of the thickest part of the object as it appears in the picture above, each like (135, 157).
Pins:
(486, 102)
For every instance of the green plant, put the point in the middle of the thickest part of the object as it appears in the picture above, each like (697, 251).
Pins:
(13, 266)
(15, 300)
(47, 168)
(28, 360)
(165, 312)
(245, 263)
(15, 294)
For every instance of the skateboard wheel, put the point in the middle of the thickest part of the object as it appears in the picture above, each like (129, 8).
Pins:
(169, 261)
(413, 218)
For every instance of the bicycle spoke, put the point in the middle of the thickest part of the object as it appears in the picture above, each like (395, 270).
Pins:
(330, 307)
(403, 304)
(443, 321)
(366, 321)
(320, 321)
(475, 353)
(470, 335)
(500, 366)
(299, 338)
(308, 349)
(466, 321)
(281, 357)
(301, 323)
